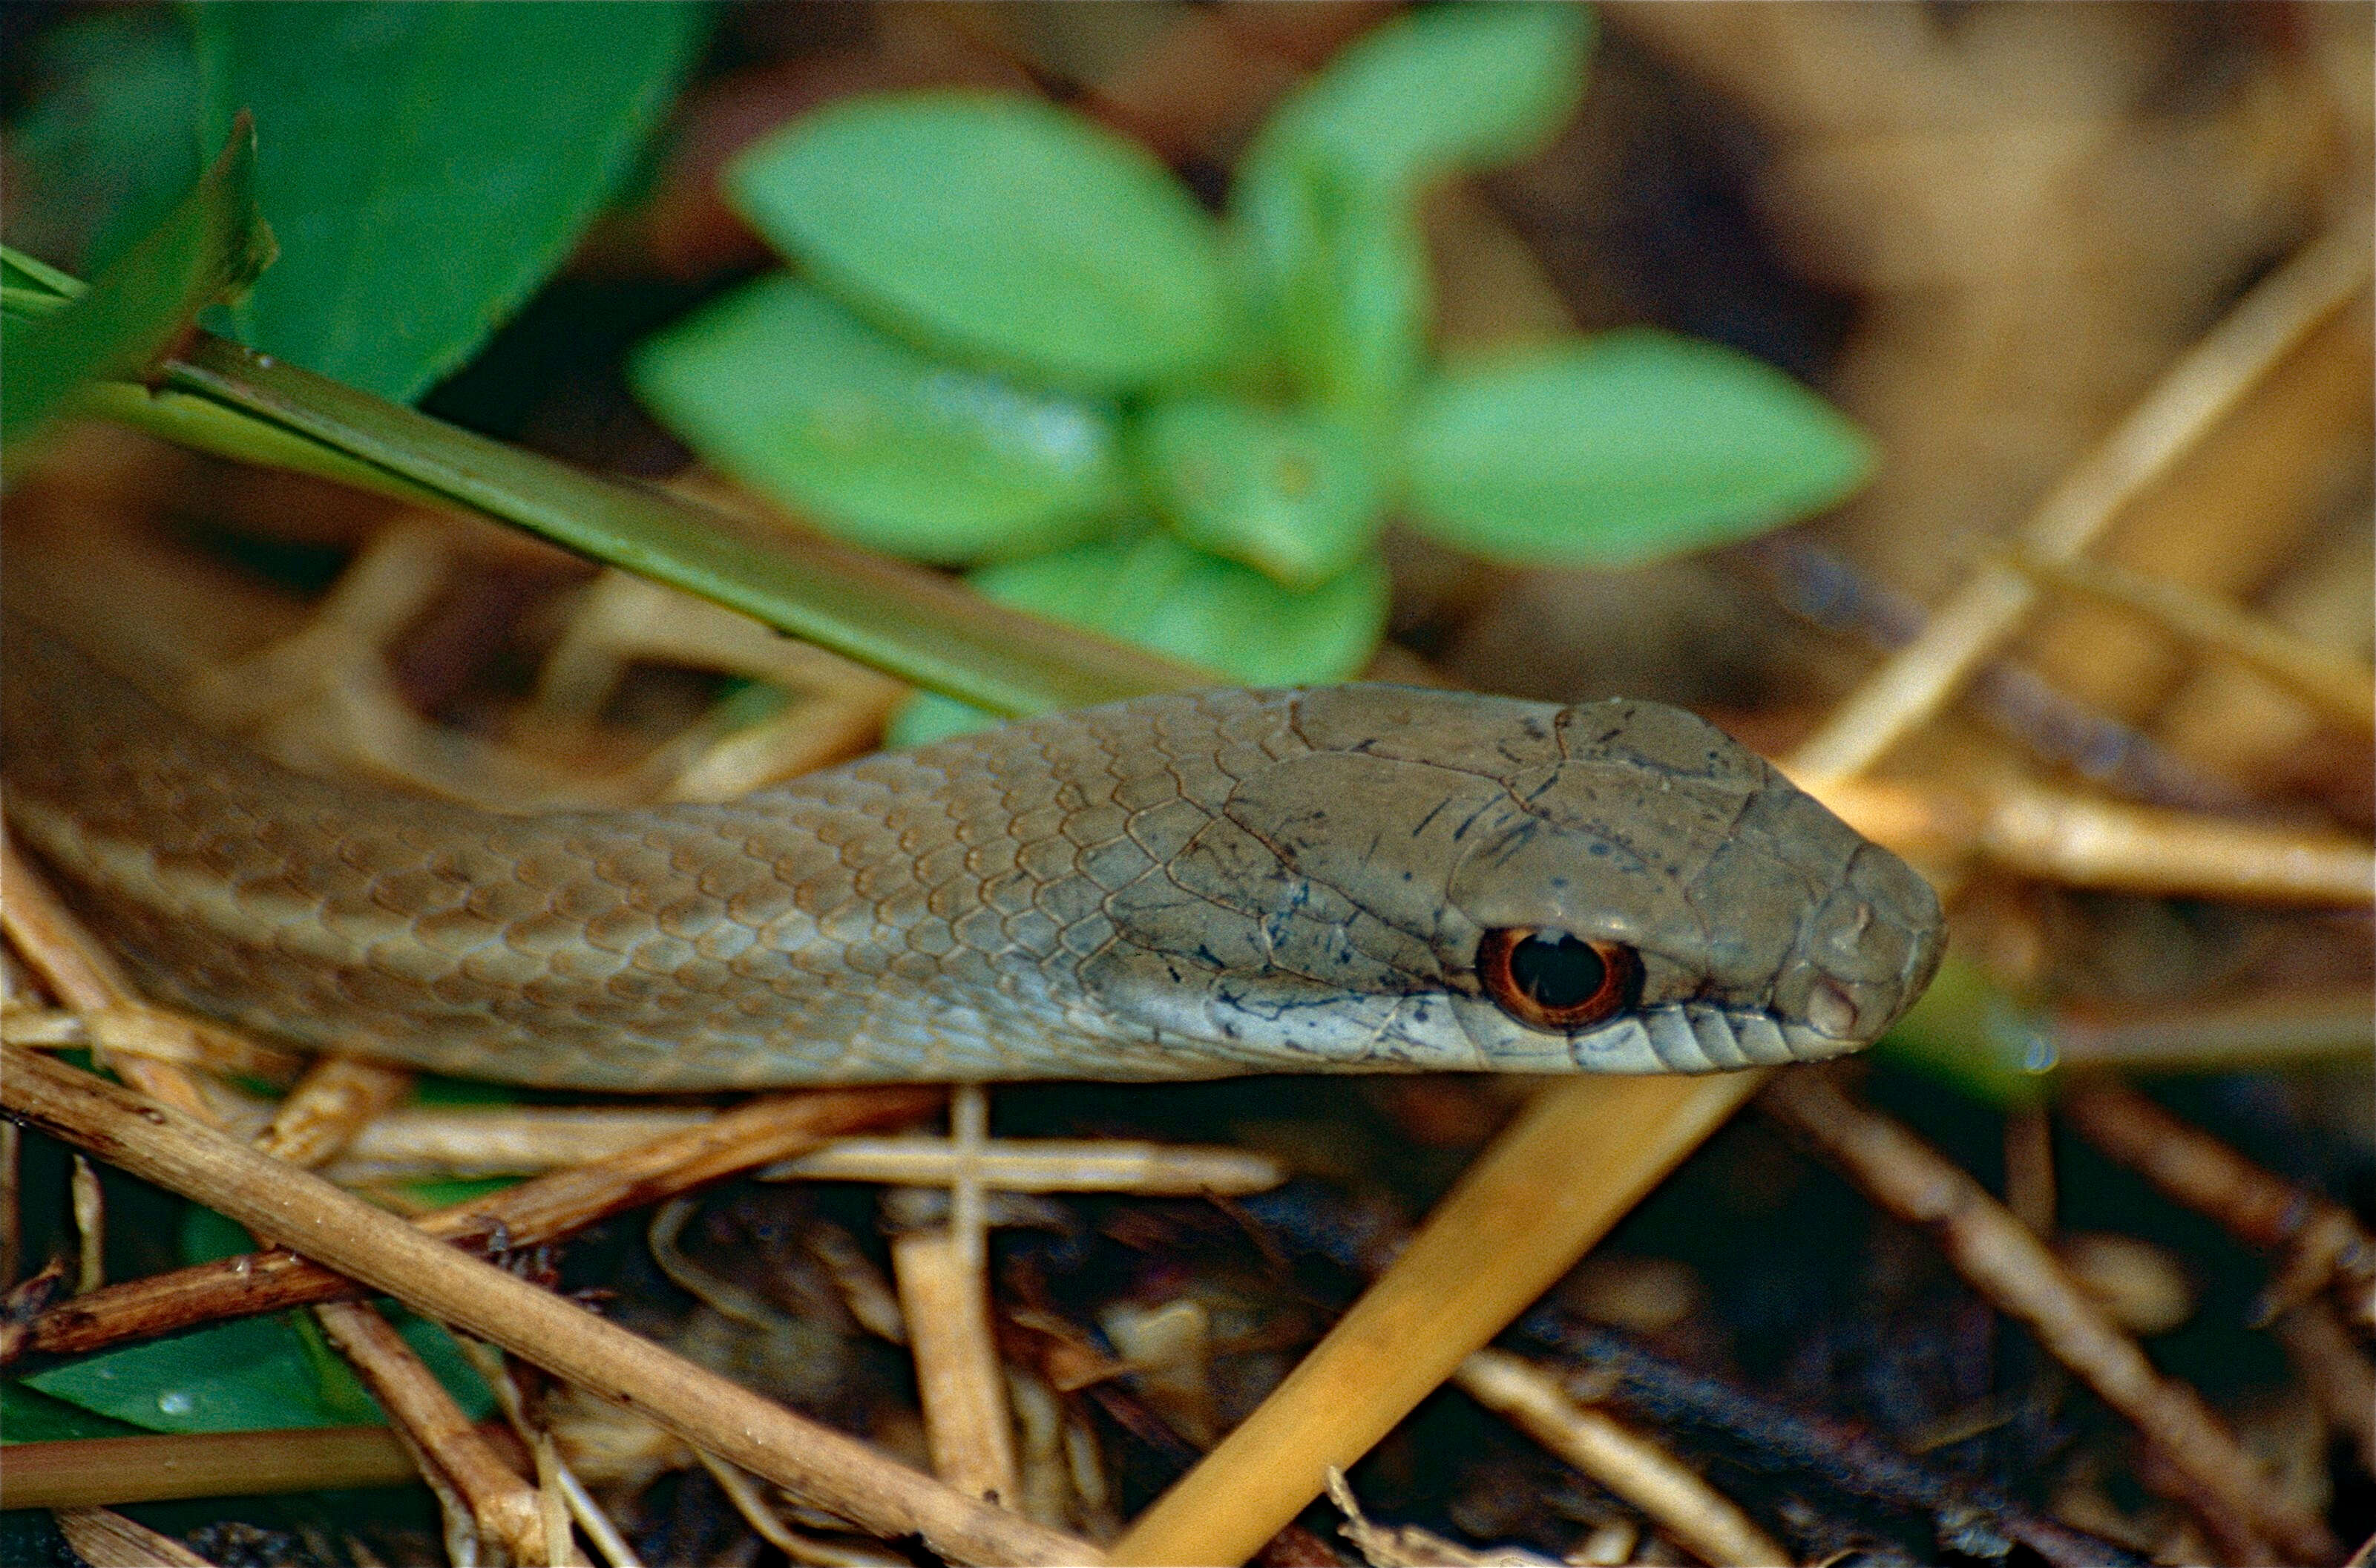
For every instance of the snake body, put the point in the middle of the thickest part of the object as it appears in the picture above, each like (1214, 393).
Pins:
(1179, 887)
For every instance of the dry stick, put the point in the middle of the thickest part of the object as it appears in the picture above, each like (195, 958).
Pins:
(824, 1466)
(1584, 1152)
(97, 1472)
(526, 1216)
(2015, 1272)
(521, 1141)
(2208, 381)
(1637, 1468)
(2319, 1239)
(115, 1542)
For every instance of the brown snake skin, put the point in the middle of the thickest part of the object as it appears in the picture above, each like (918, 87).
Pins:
(1176, 888)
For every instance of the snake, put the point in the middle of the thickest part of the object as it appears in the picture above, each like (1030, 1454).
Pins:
(1356, 877)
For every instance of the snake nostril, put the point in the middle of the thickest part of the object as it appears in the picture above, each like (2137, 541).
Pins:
(1831, 1010)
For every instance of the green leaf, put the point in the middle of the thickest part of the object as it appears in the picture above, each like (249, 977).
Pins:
(1291, 494)
(997, 228)
(1338, 272)
(1631, 446)
(1445, 87)
(1324, 202)
(427, 166)
(253, 1374)
(28, 1416)
(792, 393)
(1163, 594)
(210, 245)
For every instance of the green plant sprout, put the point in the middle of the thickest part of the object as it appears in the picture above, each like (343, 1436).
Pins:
(1015, 343)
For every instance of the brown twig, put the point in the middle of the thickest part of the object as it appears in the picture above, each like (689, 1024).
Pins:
(526, 1216)
(825, 1467)
(502, 1505)
(2014, 1270)
(2318, 1239)
(1637, 1468)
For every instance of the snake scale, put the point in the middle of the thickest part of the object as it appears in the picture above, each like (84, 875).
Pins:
(1329, 879)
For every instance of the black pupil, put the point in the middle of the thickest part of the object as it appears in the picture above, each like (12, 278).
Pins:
(1559, 973)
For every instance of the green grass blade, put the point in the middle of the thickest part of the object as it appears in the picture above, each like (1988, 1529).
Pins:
(910, 623)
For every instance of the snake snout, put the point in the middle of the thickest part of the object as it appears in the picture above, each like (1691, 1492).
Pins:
(1875, 943)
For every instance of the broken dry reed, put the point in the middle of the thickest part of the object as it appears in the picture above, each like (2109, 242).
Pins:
(945, 1301)
(2015, 1272)
(1041, 1165)
(2192, 396)
(559, 1491)
(824, 1466)
(1701, 1519)
(99, 1536)
(1581, 1154)
(336, 1099)
(88, 1206)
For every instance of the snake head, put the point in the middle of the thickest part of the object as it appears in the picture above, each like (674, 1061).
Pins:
(1615, 886)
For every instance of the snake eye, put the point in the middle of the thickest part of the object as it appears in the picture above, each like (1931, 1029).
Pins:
(1548, 980)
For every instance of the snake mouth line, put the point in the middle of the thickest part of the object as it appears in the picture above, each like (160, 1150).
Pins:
(1698, 1036)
